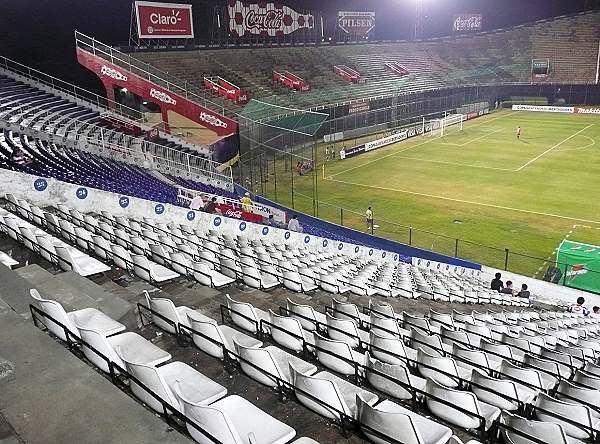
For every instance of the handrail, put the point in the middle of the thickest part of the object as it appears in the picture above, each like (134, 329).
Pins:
(149, 72)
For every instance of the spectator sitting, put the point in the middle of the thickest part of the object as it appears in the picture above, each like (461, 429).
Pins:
(497, 284)
(579, 308)
(596, 310)
(211, 206)
(508, 289)
(524, 293)
(271, 222)
(294, 225)
(197, 203)
(246, 203)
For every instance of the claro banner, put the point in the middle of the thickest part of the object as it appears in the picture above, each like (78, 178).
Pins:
(164, 20)
(265, 19)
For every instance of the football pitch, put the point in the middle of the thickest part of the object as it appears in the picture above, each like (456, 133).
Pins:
(481, 185)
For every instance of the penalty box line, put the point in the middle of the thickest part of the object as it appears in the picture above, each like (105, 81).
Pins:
(414, 146)
(469, 202)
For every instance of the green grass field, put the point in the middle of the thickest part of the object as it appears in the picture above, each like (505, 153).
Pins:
(481, 185)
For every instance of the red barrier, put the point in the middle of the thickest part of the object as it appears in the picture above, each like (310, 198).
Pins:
(291, 80)
(112, 75)
(397, 68)
(236, 213)
(347, 73)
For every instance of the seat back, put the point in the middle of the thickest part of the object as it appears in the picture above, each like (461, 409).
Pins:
(415, 323)
(550, 367)
(561, 409)
(441, 319)
(587, 380)
(451, 337)
(139, 245)
(478, 358)
(141, 267)
(446, 411)
(202, 273)
(336, 355)
(548, 432)
(441, 369)
(498, 350)
(179, 263)
(305, 314)
(121, 257)
(83, 238)
(56, 311)
(166, 308)
(528, 376)
(150, 377)
(210, 329)
(243, 315)
(497, 387)
(395, 425)
(345, 310)
(65, 261)
(382, 309)
(255, 362)
(387, 349)
(98, 341)
(287, 331)
(431, 344)
(384, 326)
(320, 395)
(386, 384)
(343, 330)
(47, 250)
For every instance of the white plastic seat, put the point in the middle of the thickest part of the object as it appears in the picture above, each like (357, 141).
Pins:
(332, 283)
(136, 347)
(398, 423)
(338, 356)
(87, 317)
(161, 380)
(288, 332)
(549, 432)
(233, 420)
(84, 265)
(443, 369)
(431, 344)
(246, 316)
(386, 327)
(570, 392)
(346, 310)
(497, 387)
(328, 395)
(270, 360)
(530, 377)
(393, 372)
(215, 278)
(212, 338)
(475, 359)
(346, 330)
(482, 414)
(306, 314)
(150, 271)
(576, 413)
(165, 308)
(587, 380)
(101, 248)
(390, 350)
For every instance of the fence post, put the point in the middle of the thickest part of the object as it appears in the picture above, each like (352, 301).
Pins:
(456, 247)
(409, 235)
(506, 259)
(341, 216)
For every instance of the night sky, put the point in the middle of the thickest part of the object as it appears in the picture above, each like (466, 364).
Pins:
(40, 32)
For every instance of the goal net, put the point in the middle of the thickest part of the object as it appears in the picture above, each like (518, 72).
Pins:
(449, 124)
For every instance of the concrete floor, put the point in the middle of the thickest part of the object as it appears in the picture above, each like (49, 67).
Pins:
(120, 301)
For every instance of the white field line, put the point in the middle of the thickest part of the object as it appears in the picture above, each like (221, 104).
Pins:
(414, 146)
(481, 137)
(555, 146)
(456, 164)
(469, 202)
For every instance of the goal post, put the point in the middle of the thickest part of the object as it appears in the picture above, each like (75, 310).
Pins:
(450, 123)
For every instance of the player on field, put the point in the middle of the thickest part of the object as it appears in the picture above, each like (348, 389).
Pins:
(518, 132)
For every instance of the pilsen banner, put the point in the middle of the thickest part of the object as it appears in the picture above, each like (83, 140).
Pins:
(356, 23)
(265, 19)
(164, 20)
(467, 22)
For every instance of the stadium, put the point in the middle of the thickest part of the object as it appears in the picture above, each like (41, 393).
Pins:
(237, 222)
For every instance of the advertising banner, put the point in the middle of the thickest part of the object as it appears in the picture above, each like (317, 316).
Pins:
(164, 20)
(347, 73)
(265, 19)
(581, 263)
(467, 22)
(358, 24)
(237, 213)
(359, 107)
(579, 110)
(544, 108)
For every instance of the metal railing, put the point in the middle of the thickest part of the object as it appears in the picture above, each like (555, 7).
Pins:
(142, 69)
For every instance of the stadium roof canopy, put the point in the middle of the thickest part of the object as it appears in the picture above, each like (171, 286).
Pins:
(287, 119)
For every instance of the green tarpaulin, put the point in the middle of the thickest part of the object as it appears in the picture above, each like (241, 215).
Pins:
(581, 265)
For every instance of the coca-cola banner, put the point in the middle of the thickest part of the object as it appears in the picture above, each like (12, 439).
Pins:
(467, 22)
(265, 19)
(356, 23)
(230, 211)
(164, 20)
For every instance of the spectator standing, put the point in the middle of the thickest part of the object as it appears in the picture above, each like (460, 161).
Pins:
(524, 293)
(211, 206)
(246, 203)
(294, 225)
(579, 308)
(497, 283)
(197, 203)
(369, 218)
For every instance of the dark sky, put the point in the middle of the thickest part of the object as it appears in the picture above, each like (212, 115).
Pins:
(40, 32)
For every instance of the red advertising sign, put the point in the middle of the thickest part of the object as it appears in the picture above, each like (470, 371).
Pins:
(356, 23)
(291, 80)
(164, 20)
(114, 75)
(265, 19)
(347, 73)
(237, 213)
(579, 110)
